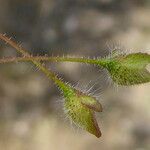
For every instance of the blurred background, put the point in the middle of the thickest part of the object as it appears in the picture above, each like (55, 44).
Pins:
(31, 111)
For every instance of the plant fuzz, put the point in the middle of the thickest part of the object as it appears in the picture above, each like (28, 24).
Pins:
(80, 107)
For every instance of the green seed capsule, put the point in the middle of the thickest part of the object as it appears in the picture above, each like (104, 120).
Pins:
(128, 69)
(80, 109)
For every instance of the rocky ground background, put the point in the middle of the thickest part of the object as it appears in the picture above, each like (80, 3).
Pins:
(31, 115)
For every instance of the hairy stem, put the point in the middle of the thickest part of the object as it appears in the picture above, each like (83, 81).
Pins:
(52, 59)
(24, 52)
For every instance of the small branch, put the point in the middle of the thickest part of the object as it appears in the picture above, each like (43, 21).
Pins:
(28, 57)
(46, 58)
(13, 44)
(24, 52)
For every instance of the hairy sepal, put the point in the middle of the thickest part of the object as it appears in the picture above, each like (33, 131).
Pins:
(129, 69)
(81, 113)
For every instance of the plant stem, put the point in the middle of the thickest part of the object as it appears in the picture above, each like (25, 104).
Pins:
(24, 52)
(53, 59)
